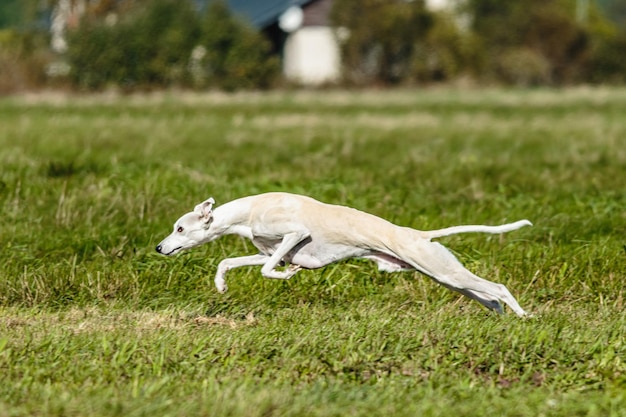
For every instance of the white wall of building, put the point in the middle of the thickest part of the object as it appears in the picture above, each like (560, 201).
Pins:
(311, 56)
(436, 5)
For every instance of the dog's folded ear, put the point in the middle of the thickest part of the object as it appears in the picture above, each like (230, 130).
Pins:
(205, 210)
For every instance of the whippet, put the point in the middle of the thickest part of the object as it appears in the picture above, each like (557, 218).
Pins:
(301, 232)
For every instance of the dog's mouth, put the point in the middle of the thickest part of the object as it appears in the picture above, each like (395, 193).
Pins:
(174, 251)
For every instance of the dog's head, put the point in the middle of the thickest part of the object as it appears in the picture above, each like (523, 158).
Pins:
(192, 229)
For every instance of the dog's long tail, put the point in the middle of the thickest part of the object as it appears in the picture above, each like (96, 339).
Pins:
(433, 234)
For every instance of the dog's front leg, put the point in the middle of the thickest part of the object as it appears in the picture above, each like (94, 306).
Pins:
(230, 263)
(290, 240)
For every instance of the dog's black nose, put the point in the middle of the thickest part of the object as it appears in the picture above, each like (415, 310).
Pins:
(158, 248)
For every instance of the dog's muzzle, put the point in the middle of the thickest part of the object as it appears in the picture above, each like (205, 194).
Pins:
(159, 249)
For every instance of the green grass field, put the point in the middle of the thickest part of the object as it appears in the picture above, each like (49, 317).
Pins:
(93, 322)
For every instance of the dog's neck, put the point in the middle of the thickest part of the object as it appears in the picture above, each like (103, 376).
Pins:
(231, 218)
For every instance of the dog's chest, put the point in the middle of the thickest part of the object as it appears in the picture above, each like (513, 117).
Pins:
(265, 245)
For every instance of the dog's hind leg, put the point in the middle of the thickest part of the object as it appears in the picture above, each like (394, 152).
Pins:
(229, 263)
(492, 303)
(438, 263)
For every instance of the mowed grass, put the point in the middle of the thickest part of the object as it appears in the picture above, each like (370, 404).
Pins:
(94, 322)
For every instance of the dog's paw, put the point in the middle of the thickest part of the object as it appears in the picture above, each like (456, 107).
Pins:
(292, 269)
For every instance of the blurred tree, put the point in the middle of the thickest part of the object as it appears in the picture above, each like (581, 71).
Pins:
(22, 14)
(10, 13)
(446, 52)
(380, 37)
(233, 54)
(615, 10)
(608, 60)
(23, 45)
(547, 41)
(161, 43)
(531, 31)
(146, 46)
(608, 63)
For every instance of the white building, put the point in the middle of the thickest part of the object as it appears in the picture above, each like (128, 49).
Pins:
(301, 33)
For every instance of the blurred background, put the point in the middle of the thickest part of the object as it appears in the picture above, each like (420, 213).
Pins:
(139, 45)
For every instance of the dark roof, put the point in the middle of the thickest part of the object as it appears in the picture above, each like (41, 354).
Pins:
(262, 13)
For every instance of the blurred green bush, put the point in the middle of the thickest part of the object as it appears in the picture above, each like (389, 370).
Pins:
(23, 57)
(446, 52)
(608, 62)
(531, 42)
(381, 38)
(545, 42)
(165, 43)
(523, 43)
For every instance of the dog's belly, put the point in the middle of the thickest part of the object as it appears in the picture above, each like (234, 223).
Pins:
(310, 255)
(316, 253)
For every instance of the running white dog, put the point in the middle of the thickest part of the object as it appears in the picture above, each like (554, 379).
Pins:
(301, 232)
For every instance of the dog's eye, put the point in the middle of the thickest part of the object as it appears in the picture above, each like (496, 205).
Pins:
(180, 229)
